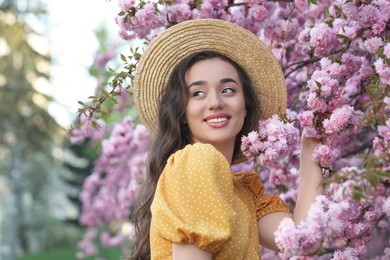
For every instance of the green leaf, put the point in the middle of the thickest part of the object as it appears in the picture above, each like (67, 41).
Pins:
(123, 57)
(113, 72)
(105, 93)
(318, 84)
(122, 74)
(338, 9)
(341, 36)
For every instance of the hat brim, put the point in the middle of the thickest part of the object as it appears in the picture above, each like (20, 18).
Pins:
(178, 42)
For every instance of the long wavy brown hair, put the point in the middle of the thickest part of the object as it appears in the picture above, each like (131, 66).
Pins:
(172, 136)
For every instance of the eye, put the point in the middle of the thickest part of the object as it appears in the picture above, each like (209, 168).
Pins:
(198, 93)
(229, 90)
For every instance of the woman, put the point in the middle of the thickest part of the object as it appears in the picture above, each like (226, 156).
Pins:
(200, 86)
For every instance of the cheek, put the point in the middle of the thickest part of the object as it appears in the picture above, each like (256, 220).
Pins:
(242, 110)
(191, 111)
(240, 106)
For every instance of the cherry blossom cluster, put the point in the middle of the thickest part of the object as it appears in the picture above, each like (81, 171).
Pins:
(145, 19)
(108, 193)
(330, 112)
(102, 58)
(88, 129)
(335, 56)
(343, 219)
(381, 144)
(273, 140)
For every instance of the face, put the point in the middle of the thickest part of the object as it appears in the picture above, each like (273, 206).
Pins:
(215, 111)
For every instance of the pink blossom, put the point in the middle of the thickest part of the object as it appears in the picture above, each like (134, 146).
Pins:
(102, 59)
(301, 239)
(291, 115)
(352, 10)
(306, 118)
(373, 44)
(246, 166)
(350, 253)
(281, 29)
(258, 12)
(126, 4)
(323, 40)
(337, 82)
(125, 35)
(322, 82)
(179, 13)
(304, 36)
(86, 246)
(254, 2)
(350, 30)
(311, 132)
(386, 50)
(386, 101)
(273, 140)
(324, 155)
(384, 131)
(383, 71)
(142, 23)
(352, 62)
(117, 177)
(86, 130)
(109, 241)
(238, 16)
(386, 207)
(368, 15)
(211, 9)
(333, 69)
(316, 103)
(124, 99)
(278, 177)
(338, 120)
(301, 4)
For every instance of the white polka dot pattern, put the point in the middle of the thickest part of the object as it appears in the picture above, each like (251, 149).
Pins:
(199, 201)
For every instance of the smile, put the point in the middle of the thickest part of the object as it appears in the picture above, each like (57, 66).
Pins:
(217, 120)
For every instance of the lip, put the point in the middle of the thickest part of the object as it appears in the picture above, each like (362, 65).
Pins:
(217, 115)
(217, 124)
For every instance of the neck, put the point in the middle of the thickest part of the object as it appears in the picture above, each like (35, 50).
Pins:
(226, 148)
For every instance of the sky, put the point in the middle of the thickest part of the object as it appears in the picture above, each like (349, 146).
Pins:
(72, 43)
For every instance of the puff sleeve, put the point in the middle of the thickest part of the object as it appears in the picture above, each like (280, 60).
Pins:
(264, 204)
(193, 199)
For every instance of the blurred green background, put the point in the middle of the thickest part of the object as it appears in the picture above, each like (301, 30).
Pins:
(41, 174)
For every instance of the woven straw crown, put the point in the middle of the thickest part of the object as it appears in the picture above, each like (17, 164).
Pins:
(180, 41)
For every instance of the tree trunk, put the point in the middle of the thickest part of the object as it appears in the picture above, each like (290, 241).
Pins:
(15, 225)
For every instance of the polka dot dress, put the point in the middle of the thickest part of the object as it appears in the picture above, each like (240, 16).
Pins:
(199, 201)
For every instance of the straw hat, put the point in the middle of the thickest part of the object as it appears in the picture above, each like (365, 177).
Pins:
(186, 38)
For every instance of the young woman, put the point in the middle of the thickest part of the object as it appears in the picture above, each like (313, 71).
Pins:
(200, 86)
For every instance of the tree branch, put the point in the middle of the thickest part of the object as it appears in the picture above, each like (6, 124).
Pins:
(358, 149)
(301, 65)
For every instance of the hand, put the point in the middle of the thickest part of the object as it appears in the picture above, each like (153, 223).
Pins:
(307, 143)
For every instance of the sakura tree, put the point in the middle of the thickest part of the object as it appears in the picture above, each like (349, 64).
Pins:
(335, 57)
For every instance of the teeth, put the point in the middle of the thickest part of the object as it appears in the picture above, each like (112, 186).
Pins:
(217, 120)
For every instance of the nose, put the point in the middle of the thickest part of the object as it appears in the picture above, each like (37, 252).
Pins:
(215, 101)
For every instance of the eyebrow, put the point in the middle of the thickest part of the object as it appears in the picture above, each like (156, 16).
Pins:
(197, 83)
(203, 82)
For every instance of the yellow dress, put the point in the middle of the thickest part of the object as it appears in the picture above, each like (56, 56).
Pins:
(199, 201)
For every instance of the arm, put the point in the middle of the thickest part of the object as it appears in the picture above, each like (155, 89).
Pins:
(188, 251)
(180, 214)
(310, 186)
